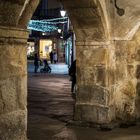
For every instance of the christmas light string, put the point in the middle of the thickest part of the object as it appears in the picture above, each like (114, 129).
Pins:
(48, 25)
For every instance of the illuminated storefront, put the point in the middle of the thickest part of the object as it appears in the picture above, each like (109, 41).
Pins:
(45, 47)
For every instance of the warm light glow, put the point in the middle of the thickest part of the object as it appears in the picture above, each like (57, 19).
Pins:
(45, 48)
(59, 30)
(30, 48)
(43, 33)
(63, 13)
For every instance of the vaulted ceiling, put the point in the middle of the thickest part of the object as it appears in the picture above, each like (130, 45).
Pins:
(92, 19)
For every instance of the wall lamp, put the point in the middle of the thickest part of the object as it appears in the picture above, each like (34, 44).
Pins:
(120, 11)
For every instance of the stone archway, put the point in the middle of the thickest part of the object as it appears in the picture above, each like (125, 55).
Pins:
(102, 95)
(13, 88)
(92, 59)
(15, 15)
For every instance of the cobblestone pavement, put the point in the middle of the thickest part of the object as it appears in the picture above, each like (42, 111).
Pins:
(50, 108)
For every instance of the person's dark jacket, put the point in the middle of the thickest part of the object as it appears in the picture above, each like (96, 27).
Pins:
(36, 60)
(72, 69)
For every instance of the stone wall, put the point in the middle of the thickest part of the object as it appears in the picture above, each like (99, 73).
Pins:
(107, 73)
(124, 93)
(108, 81)
(13, 84)
(124, 72)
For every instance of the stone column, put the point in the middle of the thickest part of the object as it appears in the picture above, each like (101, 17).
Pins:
(13, 84)
(92, 103)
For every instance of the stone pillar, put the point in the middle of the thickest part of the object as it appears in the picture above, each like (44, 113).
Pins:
(92, 103)
(13, 84)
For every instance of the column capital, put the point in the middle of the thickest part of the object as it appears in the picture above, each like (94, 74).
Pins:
(13, 35)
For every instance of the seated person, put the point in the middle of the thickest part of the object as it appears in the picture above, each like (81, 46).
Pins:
(46, 67)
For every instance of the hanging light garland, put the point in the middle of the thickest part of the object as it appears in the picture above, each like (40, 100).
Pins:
(49, 25)
(56, 19)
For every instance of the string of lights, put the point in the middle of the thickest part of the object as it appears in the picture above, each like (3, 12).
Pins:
(48, 28)
(46, 22)
(49, 25)
(55, 19)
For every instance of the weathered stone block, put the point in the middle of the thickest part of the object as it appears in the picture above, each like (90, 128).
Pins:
(89, 34)
(14, 62)
(111, 112)
(100, 75)
(124, 100)
(10, 12)
(91, 113)
(13, 125)
(13, 34)
(86, 75)
(121, 51)
(92, 94)
(111, 74)
(90, 56)
(120, 71)
(128, 88)
(131, 71)
(13, 92)
(131, 51)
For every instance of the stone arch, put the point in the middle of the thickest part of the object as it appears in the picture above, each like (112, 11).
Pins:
(16, 13)
(92, 96)
(86, 19)
(92, 50)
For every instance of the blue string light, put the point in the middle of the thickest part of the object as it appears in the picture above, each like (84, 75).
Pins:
(55, 19)
(49, 25)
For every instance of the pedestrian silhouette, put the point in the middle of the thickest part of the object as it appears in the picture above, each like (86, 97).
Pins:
(51, 57)
(72, 73)
(36, 64)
